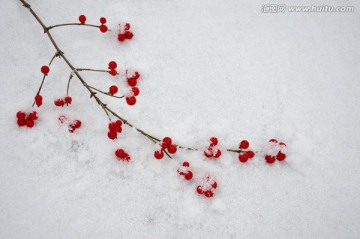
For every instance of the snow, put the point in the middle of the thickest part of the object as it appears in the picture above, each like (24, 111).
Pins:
(208, 68)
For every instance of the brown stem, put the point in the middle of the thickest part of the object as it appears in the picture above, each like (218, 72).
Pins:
(89, 88)
(71, 24)
(68, 84)
(105, 93)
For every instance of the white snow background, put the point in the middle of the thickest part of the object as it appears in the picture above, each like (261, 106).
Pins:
(208, 68)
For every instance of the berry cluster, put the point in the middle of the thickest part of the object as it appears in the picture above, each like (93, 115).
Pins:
(212, 151)
(166, 144)
(76, 124)
(103, 27)
(61, 102)
(38, 100)
(245, 155)
(112, 67)
(28, 120)
(207, 187)
(185, 171)
(124, 32)
(114, 129)
(122, 155)
(275, 151)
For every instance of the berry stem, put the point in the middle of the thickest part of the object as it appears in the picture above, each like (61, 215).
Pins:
(70, 24)
(105, 93)
(88, 69)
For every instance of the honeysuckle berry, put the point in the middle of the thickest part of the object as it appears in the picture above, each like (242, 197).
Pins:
(102, 20)
(33, 115)
(118, 124)
(188, 175)
(68, 100)
(121, 37)
(273, 141)
(244, 144)
(38, 100)
(135, 90)
(217, 153)
(243, 158)
(59, 102)
(113, 72)
(77, 124)
(127, 157)
(112, 126)
(158, 154)
(208, 152)
(112, 135)
(82, 19)
(250, 154)
(129, 35)
(214, 185)
(166, 142)
(103, 28)
(20, 115)
(30, 123)
(71, 128)
(131, 100)
(199, 190)
(172, 149)
(209, 194)
(112, 65)
(21, 122)
(127, 26)
(132, 82)
(45, 70)
(186, 164)
(280, 156)
(213, 141)
(120, 153)
(269, 159)
(113, 89)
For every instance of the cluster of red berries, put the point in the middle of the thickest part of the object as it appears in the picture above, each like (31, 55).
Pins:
(45, 70)
(212, 151)
(61, 102)
(207, 187)
(122, 155)
(275, 151)
(132, 77)
(38, 100)
(76, 124)
(103, 27)
(124, 32)
(114, 129)
(185, 171)
(28, 120)
(166, 144)
(245, 155)
(112, 67)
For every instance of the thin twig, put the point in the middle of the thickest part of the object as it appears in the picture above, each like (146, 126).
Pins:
(68, 84)
(105, 93)
(71, 24)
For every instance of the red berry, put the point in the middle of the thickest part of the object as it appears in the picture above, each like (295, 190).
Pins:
(136, 91)
(121, 37)
(188, 175)
(273, 141)
(112, 65)
(280, 156)
(217, 154)
(208, 153)
(62, 118)
(132, 82)
(118, 126)
(131, 100)
(127, 27)
(244, 144)
(159, 154)
(59, 102)
(33, 115)
(77, 124)
(20, 115)
(136, 75)
(213, 141)
(214, 185)
(209, 194)
(112, 135)
(120, 153)
(21, 122)
(172, 149)
(103, 28)
(45, 70)
(186, 164)
(68, 100)
(112, 126)
(118, 123)
(270, 159)
(128, 35)
(72, 128)
(282, 144)
(127, 157)
(29, 123)
(250, 154)
(199, 190)
(166, 142)
(102, 20)
(113, 89)
(38, 98)
(113, 72)
(243, 158)
(82, 19)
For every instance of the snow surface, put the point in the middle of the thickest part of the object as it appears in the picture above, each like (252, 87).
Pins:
(209, 68)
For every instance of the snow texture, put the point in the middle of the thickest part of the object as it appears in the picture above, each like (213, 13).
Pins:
(208, 68)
